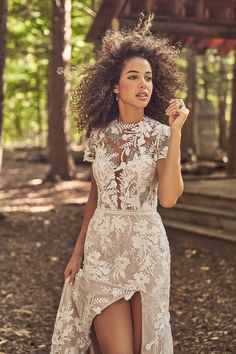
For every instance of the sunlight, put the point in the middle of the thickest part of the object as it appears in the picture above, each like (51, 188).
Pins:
(27, 208)
(35, 182)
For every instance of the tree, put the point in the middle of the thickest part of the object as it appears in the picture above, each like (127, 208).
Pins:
(3, 20)
(231, 166)
(61, 162)
(188, 143)
(26, 71)
(27, 67)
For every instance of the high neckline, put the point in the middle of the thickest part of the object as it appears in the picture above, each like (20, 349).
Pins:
(129, 125)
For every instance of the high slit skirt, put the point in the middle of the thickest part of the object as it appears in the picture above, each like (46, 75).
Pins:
(125, 251)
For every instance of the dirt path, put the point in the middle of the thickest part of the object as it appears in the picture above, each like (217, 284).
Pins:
(37, 235)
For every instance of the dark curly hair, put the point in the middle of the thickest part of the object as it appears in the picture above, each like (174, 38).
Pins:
(93, 99)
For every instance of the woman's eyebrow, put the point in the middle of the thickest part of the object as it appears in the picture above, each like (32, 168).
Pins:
(135, 71)
(132, 71)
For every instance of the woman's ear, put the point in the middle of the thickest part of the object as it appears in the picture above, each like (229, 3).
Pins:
(115, 90)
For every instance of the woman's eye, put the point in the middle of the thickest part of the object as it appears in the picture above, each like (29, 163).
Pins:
(133, 77)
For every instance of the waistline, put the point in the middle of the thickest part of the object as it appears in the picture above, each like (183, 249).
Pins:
(127, 211)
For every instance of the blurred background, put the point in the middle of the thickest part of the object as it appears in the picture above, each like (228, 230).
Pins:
(37, 47)
(44, 183)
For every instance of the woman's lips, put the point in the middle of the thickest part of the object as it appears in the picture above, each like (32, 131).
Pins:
(142, 96)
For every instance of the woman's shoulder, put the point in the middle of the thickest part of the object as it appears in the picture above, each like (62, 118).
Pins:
(97, 133)
(157, 126)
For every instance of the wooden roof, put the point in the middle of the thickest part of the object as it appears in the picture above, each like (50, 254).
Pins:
(198, 23)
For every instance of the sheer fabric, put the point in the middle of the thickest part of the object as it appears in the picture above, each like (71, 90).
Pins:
(126, 247)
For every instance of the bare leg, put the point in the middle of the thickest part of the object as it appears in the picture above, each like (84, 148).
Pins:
(114, 328)
(96, 348)
(136, 309)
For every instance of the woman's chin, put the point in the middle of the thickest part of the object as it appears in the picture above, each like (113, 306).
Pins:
(140, 104)
(136, 104)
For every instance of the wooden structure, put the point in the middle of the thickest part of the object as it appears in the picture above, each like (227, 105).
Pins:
(205, 213)
(198, 25)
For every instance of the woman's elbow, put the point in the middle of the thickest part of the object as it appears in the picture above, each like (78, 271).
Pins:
(167, 203)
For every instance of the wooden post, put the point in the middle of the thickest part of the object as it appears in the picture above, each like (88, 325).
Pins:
(222, 94)
(188, 141)
(231, 166)
(180, 8)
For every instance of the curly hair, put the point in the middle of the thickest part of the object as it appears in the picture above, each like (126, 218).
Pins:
(93, 100)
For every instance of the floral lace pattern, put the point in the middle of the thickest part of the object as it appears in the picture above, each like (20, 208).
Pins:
(124, 162)
(126, 247)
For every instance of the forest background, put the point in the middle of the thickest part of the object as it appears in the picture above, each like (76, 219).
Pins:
(26, 81)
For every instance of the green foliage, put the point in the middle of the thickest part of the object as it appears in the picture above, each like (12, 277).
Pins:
(28, 26)
(26, 74)
(211, 79)
(82, 52)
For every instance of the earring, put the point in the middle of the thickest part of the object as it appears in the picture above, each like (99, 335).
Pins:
(117, 97)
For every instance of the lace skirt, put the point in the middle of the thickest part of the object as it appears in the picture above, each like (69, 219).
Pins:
(124, 252)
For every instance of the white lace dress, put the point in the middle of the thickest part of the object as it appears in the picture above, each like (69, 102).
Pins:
(126, 248)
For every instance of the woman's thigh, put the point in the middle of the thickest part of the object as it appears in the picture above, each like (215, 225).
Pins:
(136, 310)
(114, 328)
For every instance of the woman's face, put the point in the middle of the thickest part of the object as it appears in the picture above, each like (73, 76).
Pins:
(135, 85)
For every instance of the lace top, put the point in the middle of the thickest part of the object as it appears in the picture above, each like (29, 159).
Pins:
(124, 160)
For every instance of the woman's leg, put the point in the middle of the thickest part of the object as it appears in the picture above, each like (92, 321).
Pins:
(114, 328)
(136, 309)
(96, 347)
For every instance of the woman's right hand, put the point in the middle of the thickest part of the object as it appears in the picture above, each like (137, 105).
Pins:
(73, 267)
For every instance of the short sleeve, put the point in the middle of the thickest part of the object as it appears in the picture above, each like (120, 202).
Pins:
(90, 148)
(162, 142)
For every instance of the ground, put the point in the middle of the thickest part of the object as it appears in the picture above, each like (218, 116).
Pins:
(38, 228)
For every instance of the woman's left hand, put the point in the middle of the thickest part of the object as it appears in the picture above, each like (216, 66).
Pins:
(177, 113)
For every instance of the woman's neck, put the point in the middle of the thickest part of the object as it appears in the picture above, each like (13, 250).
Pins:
(130, 115)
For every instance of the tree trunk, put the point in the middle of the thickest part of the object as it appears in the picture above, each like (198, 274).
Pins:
(62, 165)
(222, 94)
(188, 141)
(231, 166)
(3, 30)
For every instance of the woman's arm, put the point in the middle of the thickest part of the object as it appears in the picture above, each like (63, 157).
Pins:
(170, 181)
(88, 213)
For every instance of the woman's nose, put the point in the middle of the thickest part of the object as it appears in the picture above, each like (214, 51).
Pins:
(142, 83)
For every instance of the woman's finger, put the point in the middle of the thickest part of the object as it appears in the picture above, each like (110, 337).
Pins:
(176, 109)
(67, 273)
(72, 278)
(176, 100)
(175, 105)
(172, 111)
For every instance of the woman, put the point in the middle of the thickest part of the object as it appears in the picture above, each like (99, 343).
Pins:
(118, 302)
